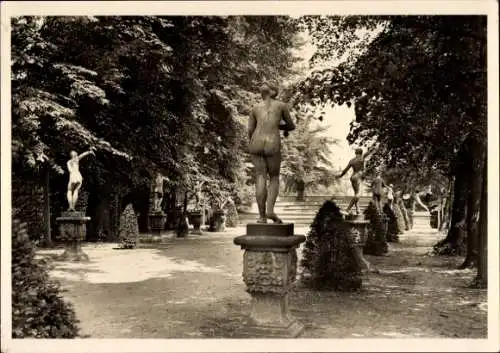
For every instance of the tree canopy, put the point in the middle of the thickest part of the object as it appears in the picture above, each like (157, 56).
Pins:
(417, 87)
(149, 93)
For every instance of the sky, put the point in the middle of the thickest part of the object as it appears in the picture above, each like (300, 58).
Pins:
(337, 118)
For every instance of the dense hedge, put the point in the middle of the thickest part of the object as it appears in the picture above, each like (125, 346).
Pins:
(376, 242)
(38, 309)
(232, 219)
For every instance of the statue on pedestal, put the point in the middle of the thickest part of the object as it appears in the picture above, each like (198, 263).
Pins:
(266, 120)
(378, 185)
(75, 177)
(158, 192)
(270, 258)
(358, 167)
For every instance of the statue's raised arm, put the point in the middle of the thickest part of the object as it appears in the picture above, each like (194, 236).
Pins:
(85, 154)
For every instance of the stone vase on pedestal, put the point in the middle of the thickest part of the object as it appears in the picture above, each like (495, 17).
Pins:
(347, 254)
(72, 231)
(218, 221)
(157, 222)
(195, 218)
(269, 271)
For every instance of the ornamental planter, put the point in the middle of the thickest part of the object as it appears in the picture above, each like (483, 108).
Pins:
(157, 222)
(195, 218)
(218, 221)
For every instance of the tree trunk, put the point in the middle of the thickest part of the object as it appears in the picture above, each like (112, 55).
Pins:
(482, 261)
(445, 224)
(454, 243)
(477, 148)
(46, 196)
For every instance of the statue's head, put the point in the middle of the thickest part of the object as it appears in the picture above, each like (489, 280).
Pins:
(73, 154)
(358, 152)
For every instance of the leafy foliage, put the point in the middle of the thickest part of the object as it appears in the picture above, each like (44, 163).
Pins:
(306, 155)
(411, 86)
(150, 93)
(38, 309)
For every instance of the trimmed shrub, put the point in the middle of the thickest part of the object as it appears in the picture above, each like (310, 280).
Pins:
(129, 229)
(376, 242)
(328, 259)
(392, 226)
(38, 308)
(232, 218)
(400, 220)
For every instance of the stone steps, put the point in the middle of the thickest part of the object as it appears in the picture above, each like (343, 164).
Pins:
(302, 213)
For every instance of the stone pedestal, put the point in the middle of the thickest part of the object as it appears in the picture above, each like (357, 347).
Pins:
(195, 218)
(269, 271)
(358, 230)
(347, 257)
(72, 230)
(157, 222)
(375, 240)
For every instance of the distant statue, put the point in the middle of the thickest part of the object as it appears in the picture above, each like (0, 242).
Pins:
(266, 120)
(378, 186)
(75, 177)
(158, 192)
(390, 195)
(358, 167)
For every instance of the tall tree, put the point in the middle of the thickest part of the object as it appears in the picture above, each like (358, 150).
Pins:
(418, 89)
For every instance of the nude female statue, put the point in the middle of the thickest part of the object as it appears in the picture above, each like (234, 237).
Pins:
(266, 120)
(358, 167)
(75, 177)
(158, 192)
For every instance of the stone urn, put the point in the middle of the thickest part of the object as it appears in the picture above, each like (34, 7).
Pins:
(195, 218)
(218, 221)
(157, 222)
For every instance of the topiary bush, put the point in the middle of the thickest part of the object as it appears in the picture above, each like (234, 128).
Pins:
(38, 309)
(129, 228)
(232, 218)
(404, 211)
(392, 226)
(400, 221)
(376, 242)
(328, 259)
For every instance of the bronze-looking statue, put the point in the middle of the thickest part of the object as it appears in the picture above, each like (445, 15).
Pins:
(267, 118)
(358, 167)
(75, 177)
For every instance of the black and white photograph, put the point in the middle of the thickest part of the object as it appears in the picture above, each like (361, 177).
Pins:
(243, 176)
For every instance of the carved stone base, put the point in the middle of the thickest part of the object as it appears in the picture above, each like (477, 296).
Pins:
(72, 231)
(254, 330)
(75, 255)
(269, 271)
(348, 259)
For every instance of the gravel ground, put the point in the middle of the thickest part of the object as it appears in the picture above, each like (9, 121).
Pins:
(193, 288)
